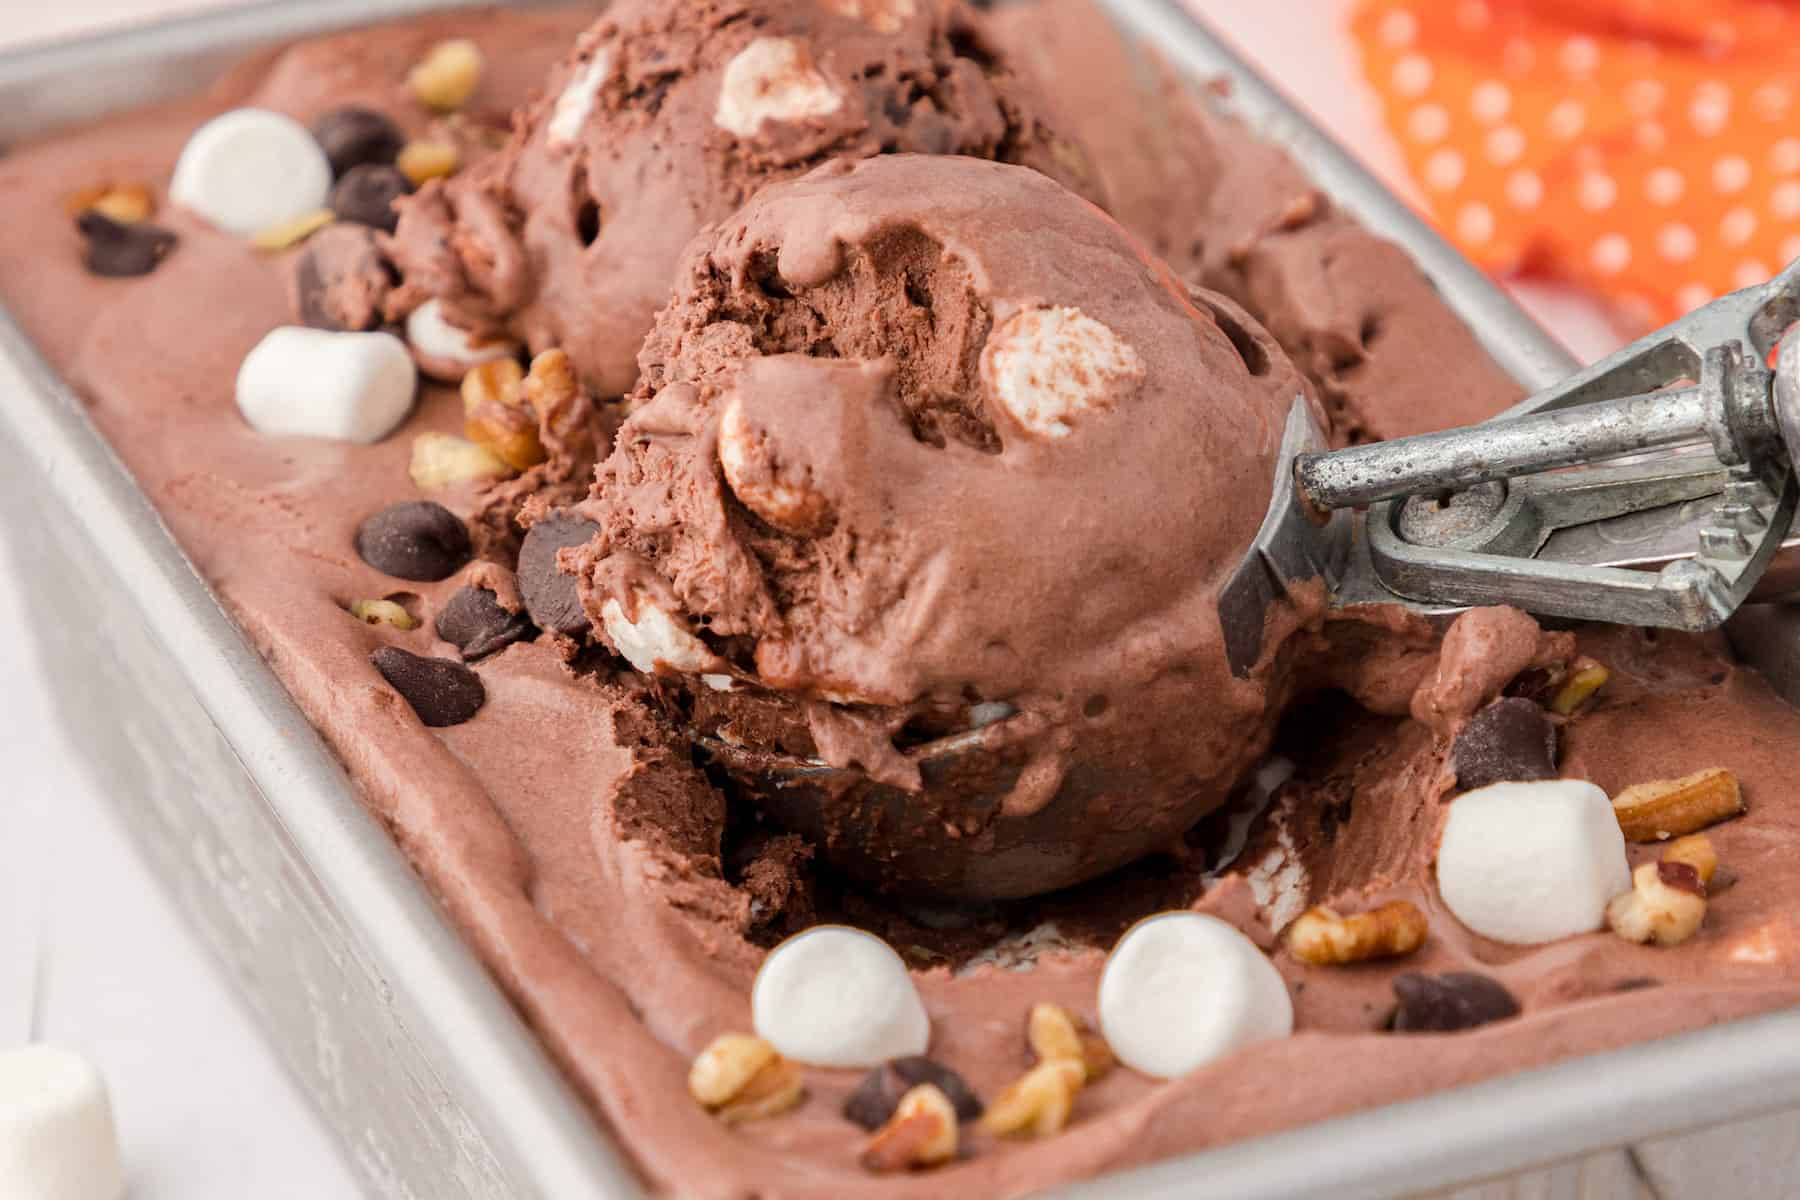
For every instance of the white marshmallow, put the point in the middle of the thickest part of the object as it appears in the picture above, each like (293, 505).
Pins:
(1183, 989)
(783, 501)
(445, 352)
(772, 79)
(249, 169)
(1048, 366)
(572, 107)
(655, 643)
(57, 1140)
(838, 997)
(355, 387)
(1532, 862)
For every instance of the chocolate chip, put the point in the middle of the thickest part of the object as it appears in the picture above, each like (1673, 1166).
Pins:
(352, 137)
(366, 195)
(440, 691)
(1511, 739)
(418, 539)
(878, 1095)
(549, 595)
(1446, 1003)
(476, 625)
(118, 250)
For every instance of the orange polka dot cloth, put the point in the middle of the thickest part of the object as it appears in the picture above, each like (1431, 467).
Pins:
(1646, 149)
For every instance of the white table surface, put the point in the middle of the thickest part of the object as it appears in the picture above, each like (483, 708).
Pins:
(93, 956)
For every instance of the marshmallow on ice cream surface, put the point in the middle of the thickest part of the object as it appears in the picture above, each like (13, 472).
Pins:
(1526, 863)
(249, 169)
(666, 117)
(57, 1140)
(1182, 989)
(918, 435)
(834, 996)
(355, 387)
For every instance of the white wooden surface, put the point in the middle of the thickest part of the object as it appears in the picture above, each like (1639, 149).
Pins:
(91, 954)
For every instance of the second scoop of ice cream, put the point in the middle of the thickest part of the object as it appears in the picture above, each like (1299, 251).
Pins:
(921, 442)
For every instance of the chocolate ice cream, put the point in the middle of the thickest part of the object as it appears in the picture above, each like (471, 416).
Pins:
(668, 116)
(922, 438)
(625, 903)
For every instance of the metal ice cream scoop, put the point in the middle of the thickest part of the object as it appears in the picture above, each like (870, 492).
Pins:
(1498, 513)
(1510, 511)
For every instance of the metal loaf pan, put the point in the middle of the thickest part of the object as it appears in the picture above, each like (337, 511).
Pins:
(432, 1083)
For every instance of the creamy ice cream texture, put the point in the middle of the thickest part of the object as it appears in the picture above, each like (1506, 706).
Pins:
(917, 435)
(668, 116)
(625, 904)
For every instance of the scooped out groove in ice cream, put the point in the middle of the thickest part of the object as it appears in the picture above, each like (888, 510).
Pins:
(921, 441)
(669, 116)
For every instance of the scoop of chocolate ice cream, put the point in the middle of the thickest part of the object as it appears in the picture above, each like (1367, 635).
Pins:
(930, 443)
(669, 116)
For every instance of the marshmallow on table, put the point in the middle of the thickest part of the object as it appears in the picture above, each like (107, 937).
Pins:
(1183, 989)
(250, 169)
(355, 387)
(838, 997)
(57, 1140)
(1525, 863)
(445, 352)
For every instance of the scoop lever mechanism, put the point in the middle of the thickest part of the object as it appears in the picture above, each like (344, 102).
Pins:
(1692, 517)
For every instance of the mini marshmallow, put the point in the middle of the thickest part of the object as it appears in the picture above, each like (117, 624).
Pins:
(445, 352)
(354, 387)
(57, 1140)
(772, 79)
(838, 997)
(655, 643)
(1183, 989)
(251, 169)
(1532, 862)
(776, 496)
(1049, 366)
(576, 102)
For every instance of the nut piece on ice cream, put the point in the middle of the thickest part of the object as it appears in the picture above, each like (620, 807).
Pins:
(822, 478)
(667, 117)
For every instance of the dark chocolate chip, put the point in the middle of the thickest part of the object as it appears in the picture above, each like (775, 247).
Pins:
(366, 195)
(1449, 1002)
(118, 250)
(440, 691)
(418, 539)
(873, 1102)
(352, 137)
(1511, 739)
(476, 625)
(549, 595)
